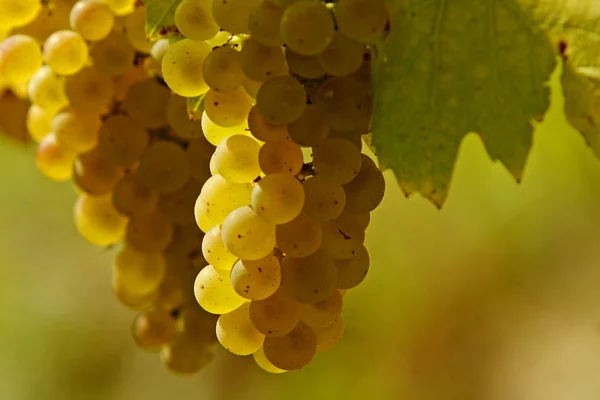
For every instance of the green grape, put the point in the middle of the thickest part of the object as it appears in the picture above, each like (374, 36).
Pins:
(220, 39)
(94, 173)
(113, 55)
(363, 73)
(180, 121)
(219, 197)
(342, 238)
(343, 56)
(352, 271)
(204, 223)
(310, 129)
(352, 136)
(365, 192)
(324, 313)
(276, 315)
(89, 91)
(307, 27)
(65, 52)
(149, 232)
(121, 7)
(184, 355)
(256, 279)
(251, 87)
(135, 27)
(178, 206)
(92, 19)
(78, 132)
(215, 252)
(281, 100)
(300, 237)
(264, 22)
(194, 19)
(236, 332)
(325, 200)
(214, 293)
(199, 152)
(227, 109)
(130, 197)
(328, 337)
(140, 272)
(157, 52)
(294, 350)
(309, 279)
(54, 161)
(361, 20)
(260, 62)
(264, 131)
(97, 220)
(18, 13)
(146, 102)
(164, 167)
(131, 299)
(20, 57)
(261, 361)
(337, 160)
(222, 69)
(305, 66)
(344, 103)
(215, 133)
(153, 328)
(283, 156)
(246, 235)
(236, 159)
(47, 90)
(182, 67)
(122, 140)
(233, 15)
(284, 3)
(38, 122)
(278, 198)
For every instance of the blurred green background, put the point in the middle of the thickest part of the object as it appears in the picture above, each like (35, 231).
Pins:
(495, 297)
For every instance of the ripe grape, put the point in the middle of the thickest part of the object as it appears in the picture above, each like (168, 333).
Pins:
(215, 133)
(293, 350)
(276, 315)
(146, 102)
(309, 129)
(20, 56)
(365, 191)
(215, 252)
(164, 167)
(92, 19)
(150, 232)
(185, 355)
(328, 337)
(182, 67)
(281, 100)
(260, 62)
(130, 197)
(343, 56)
(233, 15)
(337, 160)
(236, 332)
(263, 130)
(264, 21)
(342, 238)
(324, 313)
(94, 173)
(307, 27)
(153, 328)
(352, 271)
(65, 52)
(236, 159)
(222, 69)
(344, 103)
(47, 90)
(54, 161)
(325, 200)
(122, 140)
(227, 109)
(261, 360)
(256, 279)
(77, 132)
(246, 235)
(219, 197)
(97, 220)
(300, 237)
(194, 19)
(361, 20)
(178, 206)
(281, 156)
(113, 55)
(38, 122)
(309, 279)
(214, 293)
(304, 66)
(278, 198)
(89, 91)
(135, 27)
(140, 272)
(18, 13)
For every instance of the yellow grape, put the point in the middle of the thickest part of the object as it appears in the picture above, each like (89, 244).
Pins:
(309, 279)
(300, 237)
(256, 279)
(325, 200)
(199, 152)
(236, 332)
(344, 103)
(89, 91)
(182, 67)
(78, 132)
(135, 26)
(66, 52)
(260, 62)
(215, 252)
(47, 90)
(54, 161)
(343, 56)
(227, 109)
(215, 133)
(20, 56)
(310, 128)
(281, 100)
(146, 102)
(164, 167)
(324, 313)
(352, 271)
(342, 238)
(38, 122)
(113, 55)
(214, 293)
(98, 221)
(337, 160)
(94, 173)
(182, 123)
(219, 197)
(222, 69)
(366, 190)
(140, 272)
(130, 197)
(361, 20)
(122, 140)
(184, 355)
(283, 156)
(276, 315)
(278, 198)
(261, 360)
(304, 66)
(307, 27)
(328, 337)
(263, 130)
(293, 350)
(247, 235)
(18, 12)
(233, 15)
(153, 328)
(194, 20)
(264, 21)
(178, 206)
(151, 232)
(92, 19)
(236, 159)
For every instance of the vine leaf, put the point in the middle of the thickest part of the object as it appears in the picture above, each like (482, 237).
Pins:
(448, 68)
(160, 17)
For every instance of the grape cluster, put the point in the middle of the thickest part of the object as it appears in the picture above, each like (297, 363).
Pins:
(224, 160)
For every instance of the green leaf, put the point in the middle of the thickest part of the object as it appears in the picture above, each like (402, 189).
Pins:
(448, 68)
(160, 17)
(195, 106)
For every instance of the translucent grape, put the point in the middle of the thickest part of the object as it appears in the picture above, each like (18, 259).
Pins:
(328, 337)
(325, 200)
(184, 355)
(256, 279)
(151, 232)
(164, 167)
(178, 206)
(89, 91)
(337, 160)
(310, 129)
(251, 87)
(352, 271)
(153, 328)
(130, 197)
(281, 100)
(362, 219)
(47, 90)
(124, 82)
(294, 350)
(307, 27)
(194, 19)
(324, 313)
(146, 102)
(182, 67)
(304, 66)
(236, 159)
(121, 7)
(284, 3)
(342, 238)
(264, 21)
(260, 62)
(309, 279)
(283, 156)
(261, 360)
(215, 252)
(198, 322)
(92, 19)
(54, 161)
(187, 241)
(247, 235)
(236, 332)
(278, 198)
(215, 133)
(122, 140)
(131, 299)
(219, 197)
(300, 237)
(199, 152)
(38, 122)
(344, 103)
(361, 20)
(157, 52)
(113, 55)
(135, 27)
(140, 272)
(343, 56)
(222, 69)
(220, 39)
(20, 56)
(180, 121)
(233, 15)
(97, 220)
(353, 137)
(366, 190)
(18, 13)
(276, 315)
(264, 131)
(94, 173)
(227, 109)
(65, 52)
(214, 293)
(78, 132)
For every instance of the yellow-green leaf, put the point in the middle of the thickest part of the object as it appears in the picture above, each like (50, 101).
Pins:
(160, 17)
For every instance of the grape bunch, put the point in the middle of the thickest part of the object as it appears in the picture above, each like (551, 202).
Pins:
(224, 159)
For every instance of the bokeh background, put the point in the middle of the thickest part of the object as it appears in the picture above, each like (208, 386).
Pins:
(496, 297)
